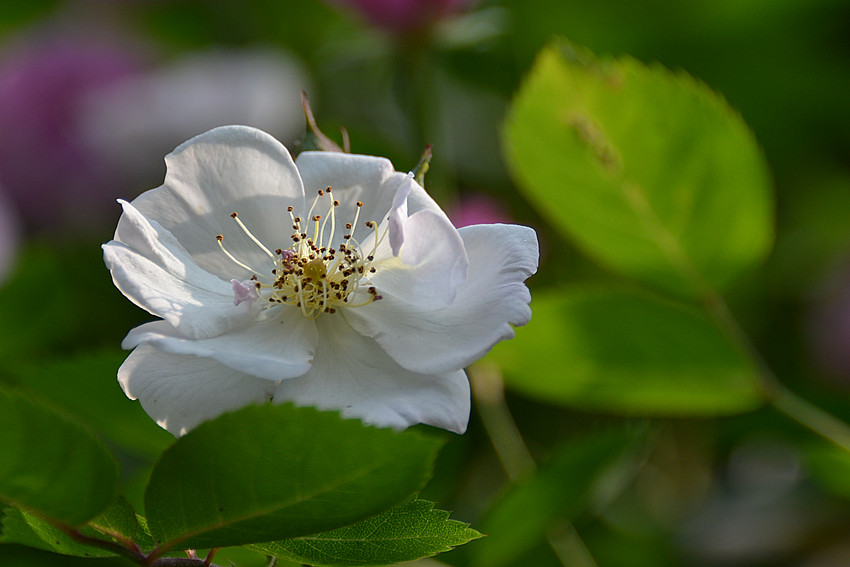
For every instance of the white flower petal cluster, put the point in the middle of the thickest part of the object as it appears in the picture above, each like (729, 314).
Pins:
(332, 281)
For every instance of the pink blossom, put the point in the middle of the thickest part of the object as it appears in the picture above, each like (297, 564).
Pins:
(478, 209)
(42, 83)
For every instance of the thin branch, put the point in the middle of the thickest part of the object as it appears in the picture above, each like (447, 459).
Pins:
(489, 393)
(110, 546)
(181, 562)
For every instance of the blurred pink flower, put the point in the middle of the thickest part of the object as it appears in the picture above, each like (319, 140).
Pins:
(406, 15)
(42, 161)
(478, 209)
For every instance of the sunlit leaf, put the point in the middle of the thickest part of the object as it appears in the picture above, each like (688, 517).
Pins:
(648, 171)
(51, 465)
(272, 472)
(629, 353)
(411, 530)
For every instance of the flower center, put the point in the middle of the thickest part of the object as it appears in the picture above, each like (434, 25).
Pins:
(312, 274)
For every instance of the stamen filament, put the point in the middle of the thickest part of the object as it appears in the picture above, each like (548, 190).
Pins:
(220, 239)
(313, 273)
(244, 228)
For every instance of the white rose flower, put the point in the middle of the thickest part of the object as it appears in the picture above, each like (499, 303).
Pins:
(332, 281)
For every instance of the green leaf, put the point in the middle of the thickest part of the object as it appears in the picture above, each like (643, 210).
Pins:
(648, 171)
(628, 353)
(561, 488)
(271, 472)
(51, 465)
(411, 530)
(118, 522)
(14, 528)
(20, 526)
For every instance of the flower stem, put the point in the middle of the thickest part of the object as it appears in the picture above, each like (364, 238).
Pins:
(807, 414)
(489, 393)
(812, 417)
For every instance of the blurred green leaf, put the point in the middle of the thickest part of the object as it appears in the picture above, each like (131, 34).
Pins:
(629, 353)
(51, 465)
(271, 472)
(86, 386)
(86, 309)
(561, 488)
(409, 531)
(649, 171)
(829, 465)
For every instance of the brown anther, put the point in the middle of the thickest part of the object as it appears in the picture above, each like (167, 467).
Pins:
(289, 209)
(359, 203)
(317, 217)
(219, 237)
(336, 203)
(233, 215)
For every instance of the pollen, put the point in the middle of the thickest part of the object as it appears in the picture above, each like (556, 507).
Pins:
(313, 274)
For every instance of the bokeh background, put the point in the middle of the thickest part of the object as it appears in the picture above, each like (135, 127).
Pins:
(94, 93)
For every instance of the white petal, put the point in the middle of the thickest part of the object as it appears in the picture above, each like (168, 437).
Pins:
(371, 180)
(276, 348)
(179, 392)
(430, 266)
(155, 272)
(228, 169)
(492, 299)
(353, 374)
(419, 200)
